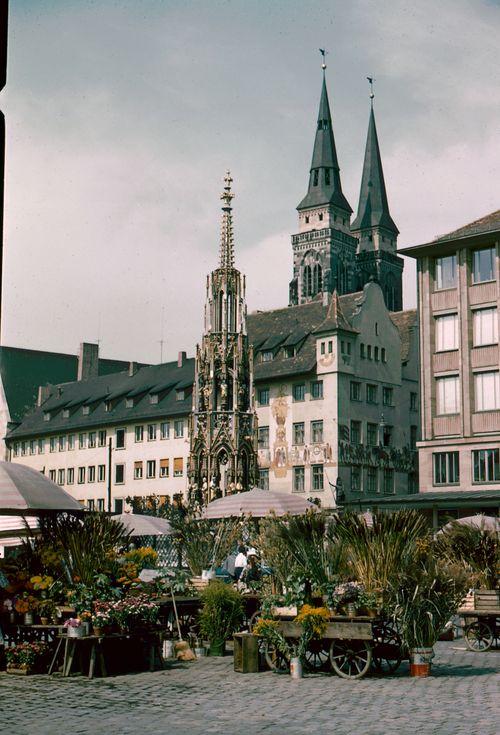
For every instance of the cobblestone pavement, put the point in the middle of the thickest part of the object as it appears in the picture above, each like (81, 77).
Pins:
(207, 696)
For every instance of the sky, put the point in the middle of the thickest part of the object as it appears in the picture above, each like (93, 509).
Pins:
(123, 116)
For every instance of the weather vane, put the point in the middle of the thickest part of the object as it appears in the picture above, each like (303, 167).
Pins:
(323, 53)
(370, 81)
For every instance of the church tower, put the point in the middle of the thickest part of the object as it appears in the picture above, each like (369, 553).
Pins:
(223, 451)
(324, 249)
(375, 228)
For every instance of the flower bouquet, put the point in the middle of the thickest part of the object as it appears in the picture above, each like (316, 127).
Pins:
(346, 595)
(102, 616)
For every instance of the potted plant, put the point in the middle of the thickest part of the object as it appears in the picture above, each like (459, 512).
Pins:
(26, 604)
(74, 628)
(368, 603)
(26, 658)
(221, 615)
(46, 610)
(8, 606)
(102, 616)
(347, 596)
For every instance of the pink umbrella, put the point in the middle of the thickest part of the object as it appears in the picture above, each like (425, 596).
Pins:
(257, 503)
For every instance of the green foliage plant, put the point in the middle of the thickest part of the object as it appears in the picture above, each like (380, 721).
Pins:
(221, 613)
(475, 548)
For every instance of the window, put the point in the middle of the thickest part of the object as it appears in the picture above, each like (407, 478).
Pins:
(264, 479)
(151, 469)
(153, 399)
(485, 327)
(372, 435)
(263, 437)
(91, 504)
(376, 354)
(317, 476)
(86, 410)
(82, 441)
(46, 415)
(383, 355)
(413, 402)
(299, 392)
(129, 402)
(330, 347)
(355, 432)
(180, 394)
(81, 475)
(41, 446)
(387, 396)
(387, 435)
(371, 480)
(263, 396)
(138, 470)
(388, 482)
(178, 428)
(448, 394)
(320, 216)
(298, 433)
(15, 449)
(483, 265)
(60, 477)
(316, 389)
(487, 390)
(164, 469)
(119, 474)
(371, 393)
(316, 432)
(92, 439)
(447, 332)
(362, 351)
(120, 439)
(327, 181)
(322, 348)
(53, 444)
(299, 477)
(25, 444)
(289, 351)
(355, 391)
(65, 413)
(446, 468)
(315, 177)
(102, 437)
(307, 220)
(266, 356)
(71, 475)
(100, 505)
(152, 432)
(139, 433)
(165, 430)
(71, 442)
(91, 474)
(369, 352)
(32, 446)
(356, 479)
(101, 473)
(118, 506)
(413, 436)
(486, 464)
(446, 272)
(178, 466)
(52, 475)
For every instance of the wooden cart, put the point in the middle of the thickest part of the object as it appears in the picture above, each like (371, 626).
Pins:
(482, 621)
(349, 646)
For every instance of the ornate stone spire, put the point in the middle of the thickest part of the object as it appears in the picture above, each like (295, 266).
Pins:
(226, 235)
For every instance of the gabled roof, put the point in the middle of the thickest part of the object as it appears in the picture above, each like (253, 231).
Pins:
(488, 223)
(482, 230)
(324, 158)
(335, 318)
(373, 209)
(406, 322)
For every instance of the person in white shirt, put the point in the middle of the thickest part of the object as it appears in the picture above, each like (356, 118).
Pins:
(240, 562)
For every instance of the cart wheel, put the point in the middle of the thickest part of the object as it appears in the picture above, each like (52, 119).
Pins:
(276, 660)
(478, 636)
(350, 659)
(316, 656)
(254, 619)
(387, 648)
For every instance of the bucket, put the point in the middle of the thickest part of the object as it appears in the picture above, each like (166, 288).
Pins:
(200, 651)
(208, 574)
(420, 661)
(73, 632)
(295, 667)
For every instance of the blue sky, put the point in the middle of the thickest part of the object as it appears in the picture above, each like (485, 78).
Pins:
(123, 116)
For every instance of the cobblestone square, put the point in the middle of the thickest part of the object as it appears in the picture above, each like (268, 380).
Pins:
(207, 696)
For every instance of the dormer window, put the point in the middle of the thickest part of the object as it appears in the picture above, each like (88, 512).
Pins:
(46, 415)
(66, 413)
(129, 402)
(180, 394)
(86, 410)
(289, 351)
(107, 406)
(267, 356)
(153, 398)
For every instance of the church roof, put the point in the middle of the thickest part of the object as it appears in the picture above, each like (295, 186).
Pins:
(321, 191)
(373, 208)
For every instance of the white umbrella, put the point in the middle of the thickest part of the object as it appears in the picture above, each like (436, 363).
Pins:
(25, 491)
(257, 503)
(142, 525)
(485, 523)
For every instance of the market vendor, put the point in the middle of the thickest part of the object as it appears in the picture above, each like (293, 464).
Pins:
(253, 570)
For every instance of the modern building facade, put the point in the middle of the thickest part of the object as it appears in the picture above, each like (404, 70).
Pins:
(459, 295)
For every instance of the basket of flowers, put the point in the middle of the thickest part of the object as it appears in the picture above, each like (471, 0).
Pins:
(30, 657)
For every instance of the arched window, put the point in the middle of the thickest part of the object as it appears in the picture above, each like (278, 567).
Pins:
(218, 326)
(390, 292)
(307, 281)
(230, 312)
(318, 279)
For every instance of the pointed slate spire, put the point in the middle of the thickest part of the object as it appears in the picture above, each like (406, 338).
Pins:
(324, 177)
(226, 256)
(373, 209)
(335, 318)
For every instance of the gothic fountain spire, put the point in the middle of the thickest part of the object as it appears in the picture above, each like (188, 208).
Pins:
(226, 235)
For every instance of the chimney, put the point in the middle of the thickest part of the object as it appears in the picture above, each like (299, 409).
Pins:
(88, 361)
(43, 393)
(181, 359)
(132, 368)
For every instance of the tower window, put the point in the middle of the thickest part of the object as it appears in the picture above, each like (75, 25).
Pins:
(321, 217)
(315, 177)
(307, 220)
(327, 177)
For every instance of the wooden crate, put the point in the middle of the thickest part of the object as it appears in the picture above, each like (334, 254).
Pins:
(246, 653)
(340, 630)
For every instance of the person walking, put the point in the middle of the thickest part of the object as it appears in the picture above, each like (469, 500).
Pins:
(240, 562)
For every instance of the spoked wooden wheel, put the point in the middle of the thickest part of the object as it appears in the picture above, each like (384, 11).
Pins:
(254, 619)
(350, 659)
(387, 648)
(276, 660)
(316, 656)
(479, 636)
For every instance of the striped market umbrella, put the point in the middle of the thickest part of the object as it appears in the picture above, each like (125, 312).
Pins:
(257, 503)
(25, 491)
(142, 525)
(485, 523)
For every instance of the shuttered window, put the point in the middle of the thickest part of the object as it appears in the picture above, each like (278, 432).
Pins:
(164, 468)
(137, 470)
(178, 466)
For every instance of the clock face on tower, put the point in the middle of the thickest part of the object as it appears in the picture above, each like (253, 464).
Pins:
(327, 360)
